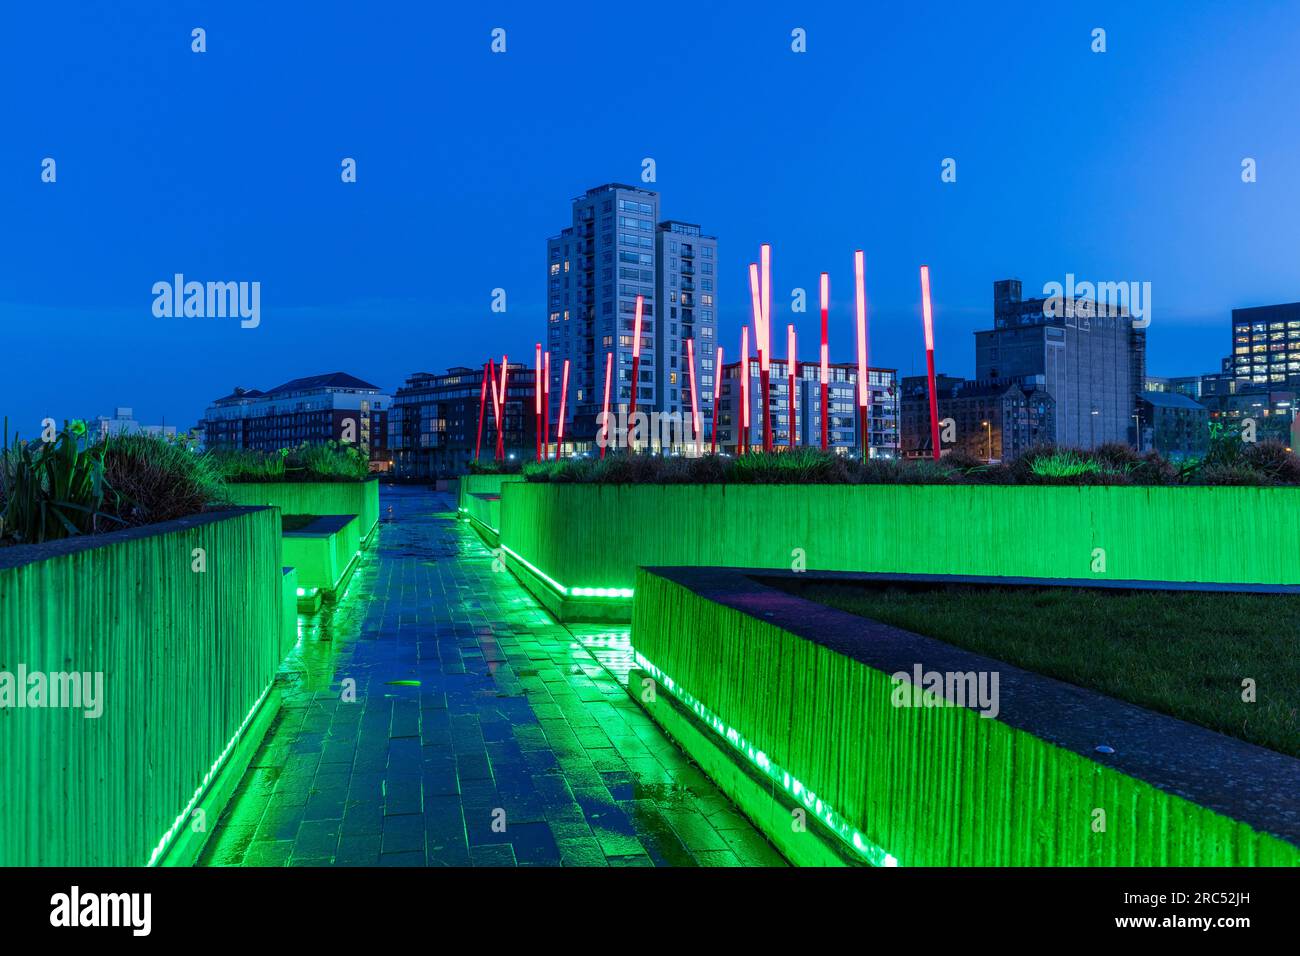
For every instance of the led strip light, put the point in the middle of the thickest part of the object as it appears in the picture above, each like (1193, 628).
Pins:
(824, 812)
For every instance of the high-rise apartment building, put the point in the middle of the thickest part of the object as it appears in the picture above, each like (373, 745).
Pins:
(1090, 358)
(616, 249)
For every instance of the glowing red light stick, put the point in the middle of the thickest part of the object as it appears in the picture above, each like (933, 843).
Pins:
(482, 407)
(564, 395)
(717, 387)
(609, 371)
(765, 353)
(928, 318)
(826, 360)
(546, 405)
(501, 412)
(793, 363)
(742, 440)
(864, 390)
(537, 402)
(695, 403)
(636, 372)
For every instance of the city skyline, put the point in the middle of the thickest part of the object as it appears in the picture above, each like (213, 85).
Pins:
(395, 274)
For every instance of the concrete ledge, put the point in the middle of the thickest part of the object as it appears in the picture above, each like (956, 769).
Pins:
(809, 688)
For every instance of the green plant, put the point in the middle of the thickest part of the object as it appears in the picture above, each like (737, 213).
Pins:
(158, 479)
(54, 489)
(328, 461)
(242, 465)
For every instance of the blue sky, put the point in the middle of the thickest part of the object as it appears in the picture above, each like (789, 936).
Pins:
(225, 166)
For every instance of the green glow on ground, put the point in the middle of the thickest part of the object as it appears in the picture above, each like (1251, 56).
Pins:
(825, 813)
(620, 594)
(207, 779)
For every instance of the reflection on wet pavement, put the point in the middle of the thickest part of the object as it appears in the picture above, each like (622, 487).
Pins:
(481, 732)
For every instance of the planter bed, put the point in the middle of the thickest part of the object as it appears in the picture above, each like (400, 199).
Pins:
(323, 553)
(360, 498)
(789, 704)
(577, 546)
(188, 660)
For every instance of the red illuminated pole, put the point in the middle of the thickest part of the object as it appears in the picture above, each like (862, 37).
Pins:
(546, 405)
(756, 305)
(501, 413)
(791, 371)
(864, 390)
(742, 440)
(695, 401)
(717, 387)
(765, 355)
(564, 395)
(496, 413)
(636, 371)
(928, 318)
(482, 407)
(609, 371)
(826, 362)
(537, 402)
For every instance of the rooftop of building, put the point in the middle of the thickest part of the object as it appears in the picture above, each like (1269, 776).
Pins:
(1259, 310)
(1172, 400)
(307, 383)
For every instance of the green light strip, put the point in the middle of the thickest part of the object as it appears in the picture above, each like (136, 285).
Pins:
(207, 779)
(617, 593)
(836, 823)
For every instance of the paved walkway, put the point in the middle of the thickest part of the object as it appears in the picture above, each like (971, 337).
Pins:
(483, 733)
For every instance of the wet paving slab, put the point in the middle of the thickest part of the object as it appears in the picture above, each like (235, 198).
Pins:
(437, 715)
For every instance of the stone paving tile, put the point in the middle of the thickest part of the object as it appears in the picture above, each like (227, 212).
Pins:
(481, 732)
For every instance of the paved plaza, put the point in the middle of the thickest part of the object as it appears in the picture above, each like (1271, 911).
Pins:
(482, 732)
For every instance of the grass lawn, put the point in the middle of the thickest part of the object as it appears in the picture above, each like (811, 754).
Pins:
(1180, 653)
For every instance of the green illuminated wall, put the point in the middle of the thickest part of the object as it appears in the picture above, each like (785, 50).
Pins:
(322, 559)
(359, 498)
(597, 535)
(928, 786)
(185, 654)
(482, 485)
(288, 611)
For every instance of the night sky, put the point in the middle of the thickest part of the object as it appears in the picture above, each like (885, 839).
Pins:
(225, 166)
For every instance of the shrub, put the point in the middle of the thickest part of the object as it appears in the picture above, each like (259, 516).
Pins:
(159, 480)
(1272, 459)
(54, 489)
(328, 461)
(1108, 465)
(244, 465)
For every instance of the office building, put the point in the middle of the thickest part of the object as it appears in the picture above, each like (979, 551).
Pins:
(1089, 358)
(844, 432)
(616, 249)
(313, 410)
(434, 420)
(1266, 345)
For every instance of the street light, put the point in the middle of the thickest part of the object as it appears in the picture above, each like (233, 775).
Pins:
(989, 448)
(1092, 431)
